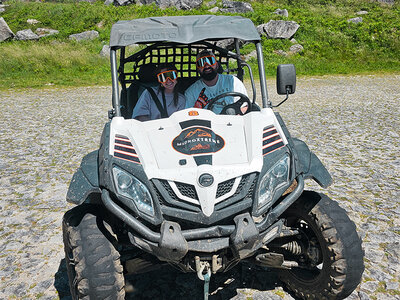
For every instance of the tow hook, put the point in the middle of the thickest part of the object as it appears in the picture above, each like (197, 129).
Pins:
(203, 270)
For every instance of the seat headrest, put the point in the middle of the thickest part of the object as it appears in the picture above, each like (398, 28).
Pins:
(147, 73)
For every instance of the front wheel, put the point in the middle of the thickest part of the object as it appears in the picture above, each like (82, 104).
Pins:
(93, 264)
(331, 263)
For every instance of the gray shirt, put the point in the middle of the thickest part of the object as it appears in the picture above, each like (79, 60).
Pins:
(146, 106)
(199, 93)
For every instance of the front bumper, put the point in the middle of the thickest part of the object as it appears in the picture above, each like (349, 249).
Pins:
(172, 243)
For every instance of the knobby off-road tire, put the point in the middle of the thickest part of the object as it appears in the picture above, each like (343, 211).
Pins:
(342, 255)
(93, 264)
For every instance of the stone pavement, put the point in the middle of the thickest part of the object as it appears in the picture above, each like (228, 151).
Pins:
(351, 122)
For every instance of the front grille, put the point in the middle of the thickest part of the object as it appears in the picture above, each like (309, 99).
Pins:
(225, 187)
(167, 197)
(184, 211)
(242, 182)
(187, 190)
(169, 190)
(250, 192)
(245, 190)
(160, 198)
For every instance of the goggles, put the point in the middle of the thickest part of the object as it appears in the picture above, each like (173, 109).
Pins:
(164, 76)
(209, 60)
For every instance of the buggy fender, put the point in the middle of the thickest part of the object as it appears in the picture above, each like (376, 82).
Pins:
(310, 165)
(85, 181)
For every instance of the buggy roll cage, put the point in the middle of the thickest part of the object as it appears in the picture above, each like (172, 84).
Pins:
(118, 74)
(181, 55)
(181, 50)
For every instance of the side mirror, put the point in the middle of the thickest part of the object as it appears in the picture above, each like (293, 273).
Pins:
(286, 79)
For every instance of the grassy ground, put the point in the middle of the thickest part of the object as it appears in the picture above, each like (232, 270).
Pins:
(331, 44)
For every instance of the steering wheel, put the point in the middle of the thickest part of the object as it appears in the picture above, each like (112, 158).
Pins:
(234, 108)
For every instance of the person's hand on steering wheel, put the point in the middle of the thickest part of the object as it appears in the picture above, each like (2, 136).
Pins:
(240, 107)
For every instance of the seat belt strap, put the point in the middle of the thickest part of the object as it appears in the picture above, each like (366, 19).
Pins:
(163, 110)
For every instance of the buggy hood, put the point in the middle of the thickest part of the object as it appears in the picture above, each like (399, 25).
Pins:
(182, 29)
(182, 149)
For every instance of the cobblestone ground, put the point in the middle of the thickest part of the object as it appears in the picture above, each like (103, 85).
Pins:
(352, 123)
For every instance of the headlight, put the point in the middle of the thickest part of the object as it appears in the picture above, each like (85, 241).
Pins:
(129, 186)
(275, 178)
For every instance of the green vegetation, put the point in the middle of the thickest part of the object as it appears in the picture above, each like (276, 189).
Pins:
(331, 44)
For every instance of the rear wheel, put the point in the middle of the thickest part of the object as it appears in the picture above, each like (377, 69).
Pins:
(93, 264)
(331, 259)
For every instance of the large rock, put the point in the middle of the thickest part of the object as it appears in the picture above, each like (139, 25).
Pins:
(278, 29)
(189, 4)
(145, 2)
(5, 31)
(236, 7)
(42, 32)
(281, 52)
(122, 2)
(252, 54)
(355, 20)
(26, 34)
(229, 44)
(32, 21)
(212, 3)
(390, 2)
(179, 4)
(84, 36)
(105, 51)
(282, 12)
(296, 48)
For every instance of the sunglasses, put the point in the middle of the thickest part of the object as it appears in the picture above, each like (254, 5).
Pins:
(209, 60)
(164, 76)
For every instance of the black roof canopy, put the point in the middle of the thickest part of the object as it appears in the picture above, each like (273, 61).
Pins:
(182, 29)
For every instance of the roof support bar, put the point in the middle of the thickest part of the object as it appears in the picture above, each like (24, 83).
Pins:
(240, 70)
(263, 80)
(114, 78)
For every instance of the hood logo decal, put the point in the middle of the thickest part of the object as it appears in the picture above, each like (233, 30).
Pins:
(198, 140)
(199, 132)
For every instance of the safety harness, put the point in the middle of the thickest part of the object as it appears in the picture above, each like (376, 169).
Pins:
(161, 107)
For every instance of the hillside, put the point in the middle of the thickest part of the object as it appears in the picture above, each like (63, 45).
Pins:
(332, 44)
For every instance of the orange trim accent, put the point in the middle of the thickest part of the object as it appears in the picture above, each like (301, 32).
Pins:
(273, 143)
(200, 147)
(273, 150)
(122, 139)
(126, 153)
(200, 132)
(270, 136)
(193, 113)
(136, 162)
(125, 146)
(269, 129)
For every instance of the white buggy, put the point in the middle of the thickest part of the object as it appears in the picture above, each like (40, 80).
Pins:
(202, 191)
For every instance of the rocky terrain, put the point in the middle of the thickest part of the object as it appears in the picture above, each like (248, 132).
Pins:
(351, 122)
